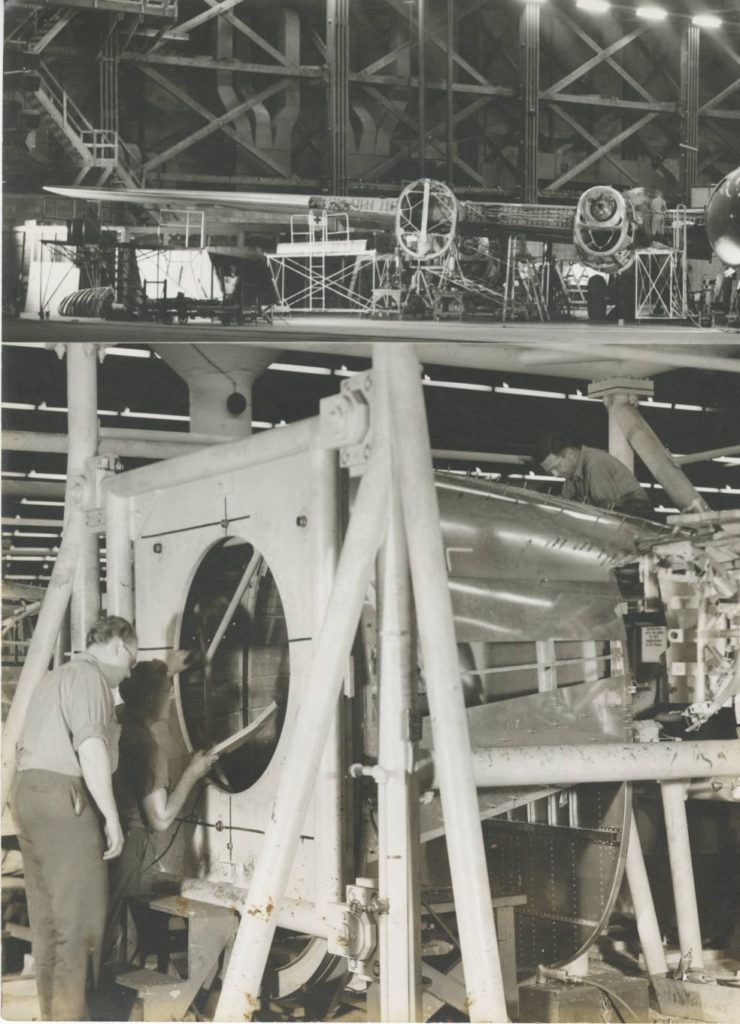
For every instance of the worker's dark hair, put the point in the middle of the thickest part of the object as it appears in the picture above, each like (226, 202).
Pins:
(109, 626)
(553, 443)
(146, 680)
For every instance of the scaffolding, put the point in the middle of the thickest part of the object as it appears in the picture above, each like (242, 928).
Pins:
(321, 269)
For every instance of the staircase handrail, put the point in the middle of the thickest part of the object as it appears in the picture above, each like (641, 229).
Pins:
(70, 113)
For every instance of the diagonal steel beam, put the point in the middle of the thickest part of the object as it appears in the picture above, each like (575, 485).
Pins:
(599, 58)
(605, 55)
(602, 149)
(220, 7)
(401, 115)
(402, 10)
(720, 97)
(240, 26)
(216, 123)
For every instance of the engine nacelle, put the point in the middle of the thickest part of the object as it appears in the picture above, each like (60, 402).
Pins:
(605, 229)
(723, 219)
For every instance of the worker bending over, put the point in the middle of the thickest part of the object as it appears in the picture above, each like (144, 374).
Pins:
(66, 755)
(592, 476)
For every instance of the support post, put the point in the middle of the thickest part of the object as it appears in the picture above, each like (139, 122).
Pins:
(689, 144)
(240, 992)
(449, 93)
(619, 446)
(642, 900)
(337, 56)
(329, 800)
(82, 426)
(398, 794)
(468, 869)
(682, 871)
(648, 446)
(422, 84)
(529, 65)
(119, 565)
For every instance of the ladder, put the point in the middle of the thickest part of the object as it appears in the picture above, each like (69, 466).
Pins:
(523, 293)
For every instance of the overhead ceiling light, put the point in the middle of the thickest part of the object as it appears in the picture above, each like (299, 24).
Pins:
(594, 6)
(706, 21)
(652, 13)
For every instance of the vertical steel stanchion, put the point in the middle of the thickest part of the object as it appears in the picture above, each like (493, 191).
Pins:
(82, 426)
(329, 803)
(399, 925)
(483, 978)
(682, 871)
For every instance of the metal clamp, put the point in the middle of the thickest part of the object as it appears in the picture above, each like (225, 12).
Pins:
(345, 422)
(353, 928)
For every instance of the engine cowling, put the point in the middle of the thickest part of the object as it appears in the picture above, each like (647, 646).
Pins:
(723, 219)
(605, 229)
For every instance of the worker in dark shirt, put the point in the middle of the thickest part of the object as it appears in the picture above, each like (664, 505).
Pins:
(147, 802)
(66, 755)
(592, 476)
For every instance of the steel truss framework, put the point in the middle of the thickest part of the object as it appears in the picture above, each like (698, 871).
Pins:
(530, 101)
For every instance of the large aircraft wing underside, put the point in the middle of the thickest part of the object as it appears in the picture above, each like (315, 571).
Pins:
(259, 208)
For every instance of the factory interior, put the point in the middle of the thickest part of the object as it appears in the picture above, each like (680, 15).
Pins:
(371, 511)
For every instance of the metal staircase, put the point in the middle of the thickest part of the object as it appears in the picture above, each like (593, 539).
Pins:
(94, 149)
(162, 994)
(36, 31)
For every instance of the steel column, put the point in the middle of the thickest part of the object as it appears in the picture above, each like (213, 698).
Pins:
(529, 69)
(449, 87)
(650, 449)
(421, 76)
(398, 795)
(468, 869)
(337, 58)
(119, 557)
(329, 805)
(82, 427)
(642, 900)
(619, 446)
(682, 871)
(689, 144)
(239, 995)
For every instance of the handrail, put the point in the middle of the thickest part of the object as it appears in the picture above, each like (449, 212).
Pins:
(104, 147)
(69, 110)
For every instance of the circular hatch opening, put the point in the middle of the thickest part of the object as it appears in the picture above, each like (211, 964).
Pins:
(234, 625)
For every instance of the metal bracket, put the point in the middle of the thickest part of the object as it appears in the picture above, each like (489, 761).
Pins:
(634, 387)
(346, 423)
(353, 928)
(98, 469)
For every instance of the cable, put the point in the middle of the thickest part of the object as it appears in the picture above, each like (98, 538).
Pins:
(615, 999)
(181, 821)
(562, 975)
(214, 365)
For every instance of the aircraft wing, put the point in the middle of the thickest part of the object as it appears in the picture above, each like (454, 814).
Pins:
(538, 221)
(254, 207)
(277, 202)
